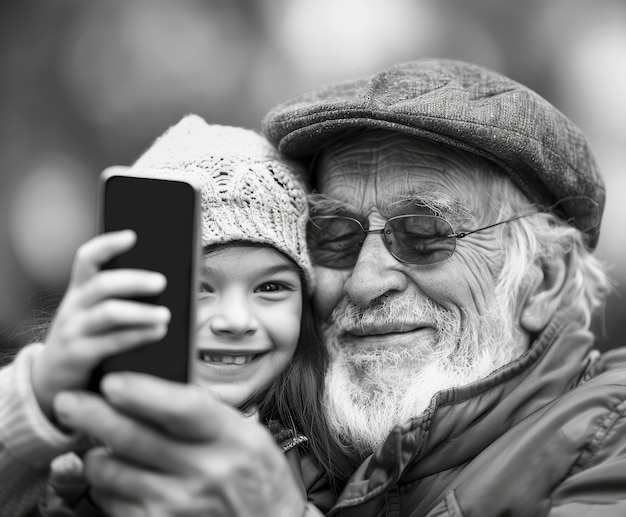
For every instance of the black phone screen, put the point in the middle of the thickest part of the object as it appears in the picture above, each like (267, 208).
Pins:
(164, 215)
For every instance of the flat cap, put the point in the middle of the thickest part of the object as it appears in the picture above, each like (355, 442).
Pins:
(463, 105)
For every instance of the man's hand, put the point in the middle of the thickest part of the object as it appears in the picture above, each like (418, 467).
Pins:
(173, 450)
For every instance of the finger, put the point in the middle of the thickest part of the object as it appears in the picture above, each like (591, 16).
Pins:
(183, 410)
(92, 255)
(117, 283)
(110, 474)
(119, 507)
(122, 487)
(122, 508)
(117, 169)
(113, 313)
(89, 414)
(89, 351)
(116, 506)
(103, 321)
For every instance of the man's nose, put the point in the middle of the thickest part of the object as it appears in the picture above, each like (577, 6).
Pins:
(375, 273)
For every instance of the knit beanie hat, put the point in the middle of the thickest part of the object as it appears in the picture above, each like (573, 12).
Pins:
(248, 191)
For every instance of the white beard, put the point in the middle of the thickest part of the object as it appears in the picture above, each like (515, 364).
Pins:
(367, 392)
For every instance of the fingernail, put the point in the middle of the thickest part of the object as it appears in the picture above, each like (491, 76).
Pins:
(163, 314)
(112, 384)
(159, 281)
(128, 235)
(64, 403)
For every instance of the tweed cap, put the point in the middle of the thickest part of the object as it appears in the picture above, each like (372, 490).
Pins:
(463, 105)
(248, 191)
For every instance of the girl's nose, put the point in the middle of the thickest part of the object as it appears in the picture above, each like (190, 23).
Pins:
(228, 315)
(233, 325)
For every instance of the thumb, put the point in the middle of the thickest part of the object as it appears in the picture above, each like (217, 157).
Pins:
(182, 410)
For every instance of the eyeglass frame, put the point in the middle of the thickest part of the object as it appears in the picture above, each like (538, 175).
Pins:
(455, 235)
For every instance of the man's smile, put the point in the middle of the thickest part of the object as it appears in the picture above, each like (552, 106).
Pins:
(383, 329)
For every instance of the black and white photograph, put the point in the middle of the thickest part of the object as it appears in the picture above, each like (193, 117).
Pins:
(306, 258)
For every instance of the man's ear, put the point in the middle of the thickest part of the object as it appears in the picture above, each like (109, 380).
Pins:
(545, 293)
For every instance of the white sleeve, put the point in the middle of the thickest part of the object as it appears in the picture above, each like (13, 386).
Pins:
(28, 440)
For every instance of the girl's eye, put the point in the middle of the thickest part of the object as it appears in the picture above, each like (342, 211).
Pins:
(272, 287)
(206, 288)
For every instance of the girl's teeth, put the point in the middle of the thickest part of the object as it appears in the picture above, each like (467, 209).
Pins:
(226, 359)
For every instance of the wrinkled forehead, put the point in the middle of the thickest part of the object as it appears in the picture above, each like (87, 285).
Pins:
(382, 170)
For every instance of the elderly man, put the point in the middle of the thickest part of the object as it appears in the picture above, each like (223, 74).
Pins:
(454, 217)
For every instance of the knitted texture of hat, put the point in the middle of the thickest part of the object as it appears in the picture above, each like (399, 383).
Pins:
(249, 192)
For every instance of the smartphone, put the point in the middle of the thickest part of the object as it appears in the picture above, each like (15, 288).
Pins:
(164, 212)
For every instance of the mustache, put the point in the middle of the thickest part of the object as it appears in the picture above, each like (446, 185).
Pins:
(388, 311)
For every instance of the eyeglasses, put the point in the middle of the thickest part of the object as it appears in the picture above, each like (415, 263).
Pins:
(336, 240)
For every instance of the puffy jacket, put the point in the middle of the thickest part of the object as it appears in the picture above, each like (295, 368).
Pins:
(544, 435)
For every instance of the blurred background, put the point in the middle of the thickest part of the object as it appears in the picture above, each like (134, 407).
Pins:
(85, 85)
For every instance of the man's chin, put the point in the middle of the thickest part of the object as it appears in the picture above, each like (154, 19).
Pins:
(363, 408)
(371, 380)
(382, 365)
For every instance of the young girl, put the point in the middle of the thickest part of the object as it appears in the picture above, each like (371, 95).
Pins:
(257, 344)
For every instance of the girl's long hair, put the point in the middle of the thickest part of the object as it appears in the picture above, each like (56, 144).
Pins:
(294, 398)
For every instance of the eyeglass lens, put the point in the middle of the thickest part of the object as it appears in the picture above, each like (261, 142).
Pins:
(335, 241)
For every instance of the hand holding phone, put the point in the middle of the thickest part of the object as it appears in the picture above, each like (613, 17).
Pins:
(94, 320)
